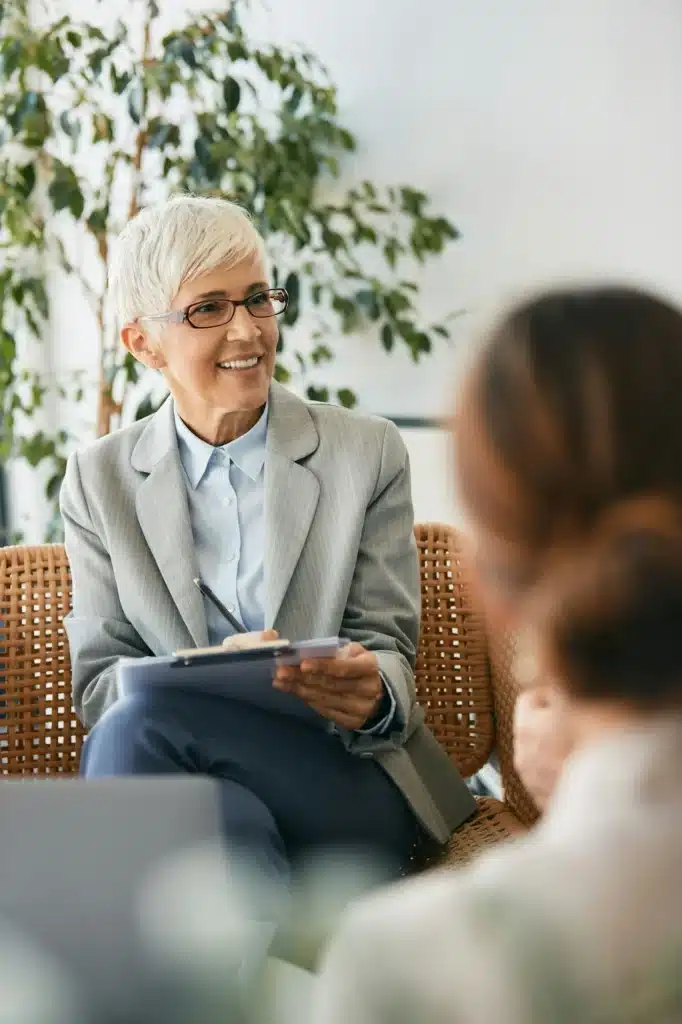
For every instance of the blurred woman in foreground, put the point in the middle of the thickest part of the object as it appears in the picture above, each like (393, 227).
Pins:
(569, 440)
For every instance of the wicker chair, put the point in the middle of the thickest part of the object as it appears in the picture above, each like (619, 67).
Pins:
(464, 702)
(40, 734)
(502, 655)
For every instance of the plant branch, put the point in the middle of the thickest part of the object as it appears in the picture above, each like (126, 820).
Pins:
(107, 406)
(141, 137)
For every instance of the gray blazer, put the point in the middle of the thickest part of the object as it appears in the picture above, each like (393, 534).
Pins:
(340, 558)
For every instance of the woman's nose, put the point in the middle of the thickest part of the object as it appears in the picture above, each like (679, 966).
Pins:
(242, 324)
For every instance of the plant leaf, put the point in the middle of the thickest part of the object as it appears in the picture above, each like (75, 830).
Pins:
(232, 93)
(97, 220)
(145, 408)
(136, 101)
(70, 126)
(347, 398)
(293, 287)
(316, 394)
(368, 302)
(65, 192)
(10, 57)
(392, 249)
(387, 337)
(27, 175)
(230, 19)
(188, 54)
(53, 486)
(131, 368)
(321, 354)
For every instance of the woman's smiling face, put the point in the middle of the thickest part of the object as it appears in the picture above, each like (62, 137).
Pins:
(199, 364)
(219, 372)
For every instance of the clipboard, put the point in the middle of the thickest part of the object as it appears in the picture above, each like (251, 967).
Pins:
(237, 675)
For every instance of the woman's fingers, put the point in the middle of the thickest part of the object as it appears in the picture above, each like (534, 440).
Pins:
(245, 641)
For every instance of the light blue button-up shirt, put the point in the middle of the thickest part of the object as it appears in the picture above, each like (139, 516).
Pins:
(226, 491)
(225, 487)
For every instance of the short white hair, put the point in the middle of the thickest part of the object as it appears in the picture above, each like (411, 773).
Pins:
(174, 242)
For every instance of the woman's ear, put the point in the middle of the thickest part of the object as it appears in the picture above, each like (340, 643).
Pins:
(140, 345)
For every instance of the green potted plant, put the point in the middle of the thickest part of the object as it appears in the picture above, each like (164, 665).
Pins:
(204, 109)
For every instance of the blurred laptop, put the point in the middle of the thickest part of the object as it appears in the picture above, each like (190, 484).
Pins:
(76, 859)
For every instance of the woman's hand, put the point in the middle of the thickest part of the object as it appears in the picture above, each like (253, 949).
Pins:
(244, 641)
(347, 689)
(542, 739)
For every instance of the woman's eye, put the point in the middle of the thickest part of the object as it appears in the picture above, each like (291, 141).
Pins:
(208, 307)
(260, 299)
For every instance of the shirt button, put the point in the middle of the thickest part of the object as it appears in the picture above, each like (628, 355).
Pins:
(231, 609)
(230, 558)
(227, 501)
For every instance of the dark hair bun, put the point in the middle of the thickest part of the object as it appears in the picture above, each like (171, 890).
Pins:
(610, 615)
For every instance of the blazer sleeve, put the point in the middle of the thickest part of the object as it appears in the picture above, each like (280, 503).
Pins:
(383, 607)
(98, 631)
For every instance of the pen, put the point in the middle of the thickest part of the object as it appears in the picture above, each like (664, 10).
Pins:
(217, 603)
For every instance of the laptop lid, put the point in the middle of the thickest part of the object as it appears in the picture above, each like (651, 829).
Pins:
(76, 858)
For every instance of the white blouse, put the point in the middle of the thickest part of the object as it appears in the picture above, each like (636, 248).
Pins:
(579, 921)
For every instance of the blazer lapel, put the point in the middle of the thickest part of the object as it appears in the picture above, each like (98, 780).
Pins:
(163, 515)
(291, 493)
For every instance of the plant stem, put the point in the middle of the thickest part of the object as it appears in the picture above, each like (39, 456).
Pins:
(141, 140)
(107, 407)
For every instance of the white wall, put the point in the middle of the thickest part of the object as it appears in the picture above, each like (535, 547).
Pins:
(549, 132)
(432, 485)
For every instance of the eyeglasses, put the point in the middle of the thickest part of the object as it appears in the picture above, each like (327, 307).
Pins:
(218, 311)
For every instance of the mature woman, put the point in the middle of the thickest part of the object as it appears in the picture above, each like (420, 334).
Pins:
(569, 437)
(298, 516)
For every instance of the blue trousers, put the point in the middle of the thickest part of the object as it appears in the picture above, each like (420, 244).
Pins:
(288, 790)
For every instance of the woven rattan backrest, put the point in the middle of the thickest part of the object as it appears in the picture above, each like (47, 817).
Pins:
(41, 734)
(453, 677)
(502, 656)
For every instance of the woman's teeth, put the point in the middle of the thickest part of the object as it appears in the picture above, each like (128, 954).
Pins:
(240, 364)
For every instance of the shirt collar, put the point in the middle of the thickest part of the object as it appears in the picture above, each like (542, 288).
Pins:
(247, 452)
